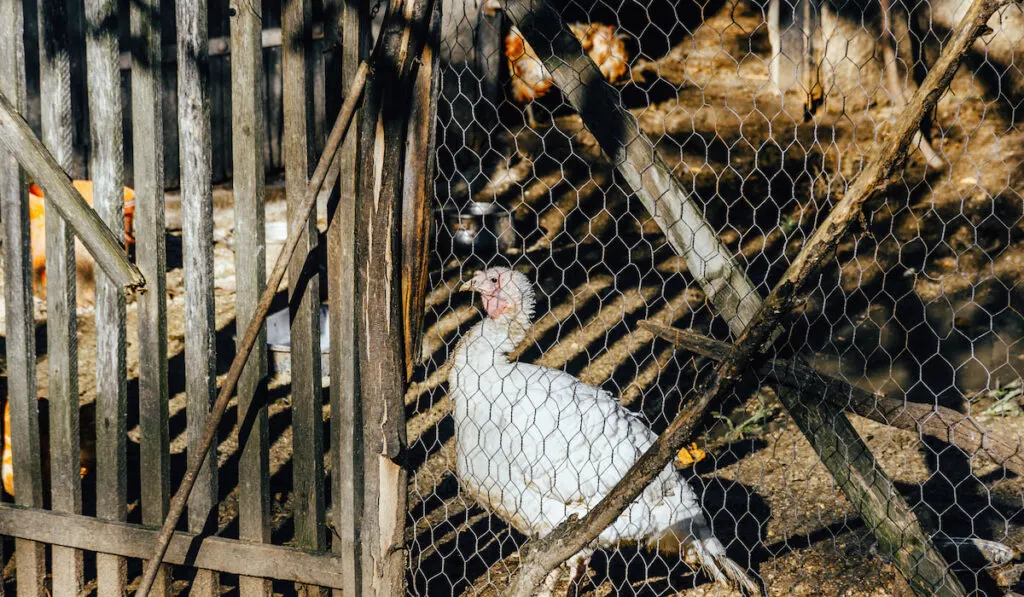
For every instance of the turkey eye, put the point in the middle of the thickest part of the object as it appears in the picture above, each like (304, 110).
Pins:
(494, 280)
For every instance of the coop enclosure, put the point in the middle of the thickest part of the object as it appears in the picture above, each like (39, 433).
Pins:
(652, 167)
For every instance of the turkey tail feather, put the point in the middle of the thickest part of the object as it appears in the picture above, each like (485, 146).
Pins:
(709, 554)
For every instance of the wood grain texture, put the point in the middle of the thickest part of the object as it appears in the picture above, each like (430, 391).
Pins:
(324, 175)
(62, 321)
(249, 131)
(380, 339)
(346, 459)
(136, 541)
(303, 281)
(17, 137)
(151, 257)
(107, 172)
(197, 246)
(418, 194)
(21, 349)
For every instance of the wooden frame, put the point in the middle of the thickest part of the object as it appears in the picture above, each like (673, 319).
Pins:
(135, 541)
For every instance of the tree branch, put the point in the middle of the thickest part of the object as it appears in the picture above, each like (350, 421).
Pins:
(946, 424)
(895, 526)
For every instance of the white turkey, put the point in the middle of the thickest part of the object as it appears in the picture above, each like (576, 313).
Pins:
(535, 445)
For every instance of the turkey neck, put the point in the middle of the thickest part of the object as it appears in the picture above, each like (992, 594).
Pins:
(494, 338)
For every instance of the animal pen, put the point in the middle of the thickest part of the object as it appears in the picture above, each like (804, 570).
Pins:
(781, 243)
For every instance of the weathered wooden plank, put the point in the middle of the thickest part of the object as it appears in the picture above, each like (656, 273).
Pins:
(108, 252)
(249, 131)
(418, 195)
(324, 175)
(136, 541)
(197, 245)
(303, 281)
(151, 257)
(221, 46)
(380, 343)
(62, 320)
(346, 422)
(107, 173)
(21, 349)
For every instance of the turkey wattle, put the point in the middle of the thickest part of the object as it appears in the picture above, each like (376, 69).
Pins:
(535, 445)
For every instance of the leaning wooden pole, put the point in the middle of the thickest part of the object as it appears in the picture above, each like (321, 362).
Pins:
(40, 164)
(827, 429)
(326, 174)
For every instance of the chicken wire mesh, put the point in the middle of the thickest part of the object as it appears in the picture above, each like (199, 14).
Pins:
(765, 114)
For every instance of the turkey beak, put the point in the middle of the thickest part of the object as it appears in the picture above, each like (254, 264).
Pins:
(471, 284)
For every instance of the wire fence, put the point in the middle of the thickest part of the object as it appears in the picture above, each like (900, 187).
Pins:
(765, 114)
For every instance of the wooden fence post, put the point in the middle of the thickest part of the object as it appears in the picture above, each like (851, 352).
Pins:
(418, 193)
(62, 320)
(151, 258)
(197, 241)
(381, 343)
(248, 132)
(346, 412)
(303, 280)
(21, 349)
(107, 173)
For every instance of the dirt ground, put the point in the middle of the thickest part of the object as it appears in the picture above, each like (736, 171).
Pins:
(925, 303)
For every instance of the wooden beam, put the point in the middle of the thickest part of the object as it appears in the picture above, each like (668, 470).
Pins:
(18, 301)
(346, 415)
(136, 541)
(40, 164)
(381, 348)
(303, 283)
(418, 195)
(946, 424)
(197, 246)
(617, 131)
(106, 169)
(248, 132)
(61, 310)
(151, 256)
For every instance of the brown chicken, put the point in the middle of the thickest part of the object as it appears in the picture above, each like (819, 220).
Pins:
(83, 260)
(87, 453)
(531, 80)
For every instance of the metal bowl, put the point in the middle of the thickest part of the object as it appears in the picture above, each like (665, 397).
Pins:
(279, 341)
(478, 227)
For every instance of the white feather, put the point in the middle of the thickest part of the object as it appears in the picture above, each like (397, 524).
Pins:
(536, 445)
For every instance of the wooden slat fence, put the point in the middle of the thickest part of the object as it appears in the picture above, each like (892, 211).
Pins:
(220, 65)
(186, 94)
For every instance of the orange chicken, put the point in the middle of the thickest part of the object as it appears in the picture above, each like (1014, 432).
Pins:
(83, 260)
(87, 425)
(531, 80)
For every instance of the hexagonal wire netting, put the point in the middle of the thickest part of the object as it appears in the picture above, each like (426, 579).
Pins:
(920, 311)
